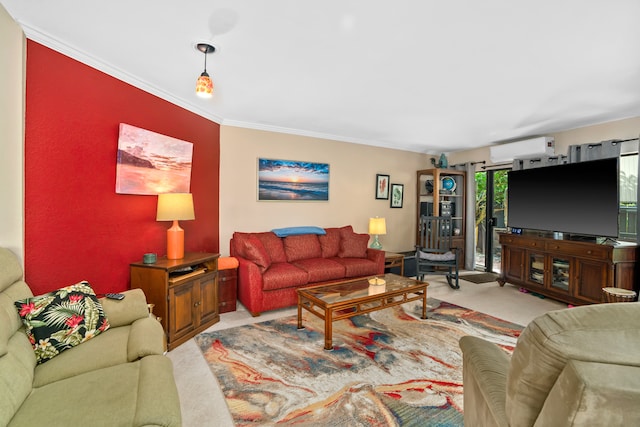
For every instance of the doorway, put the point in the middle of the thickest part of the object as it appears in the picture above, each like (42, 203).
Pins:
(491, 217)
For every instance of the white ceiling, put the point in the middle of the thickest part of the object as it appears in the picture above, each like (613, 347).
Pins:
(421, 75)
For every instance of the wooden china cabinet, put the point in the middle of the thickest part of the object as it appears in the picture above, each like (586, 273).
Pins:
(441, 192)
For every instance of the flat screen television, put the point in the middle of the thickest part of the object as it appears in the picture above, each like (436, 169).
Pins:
(576, 198)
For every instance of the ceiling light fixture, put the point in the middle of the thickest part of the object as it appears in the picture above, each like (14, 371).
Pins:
(204, 85)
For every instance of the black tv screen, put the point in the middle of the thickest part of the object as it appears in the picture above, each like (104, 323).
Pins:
(575, 198)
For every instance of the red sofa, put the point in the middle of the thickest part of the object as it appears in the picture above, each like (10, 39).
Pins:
(271, 268)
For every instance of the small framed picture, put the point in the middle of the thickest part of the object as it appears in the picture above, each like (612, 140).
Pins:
(397, 191)
(382, 187)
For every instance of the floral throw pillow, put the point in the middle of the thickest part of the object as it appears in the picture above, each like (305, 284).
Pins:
(62, 319)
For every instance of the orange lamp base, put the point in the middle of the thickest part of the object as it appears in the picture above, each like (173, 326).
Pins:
(175, 241)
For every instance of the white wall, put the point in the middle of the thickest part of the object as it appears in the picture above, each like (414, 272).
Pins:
(353, 169)
(12, 65)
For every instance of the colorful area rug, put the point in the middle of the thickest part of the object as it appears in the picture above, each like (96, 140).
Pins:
(387, 368)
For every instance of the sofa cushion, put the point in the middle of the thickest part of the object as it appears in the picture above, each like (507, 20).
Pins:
(321, 269)
(274, 246)
(141, 393)
(118, 345)
(251, 248)
(10, 269)
(330, 242)
(283, 275)
(271, 242)
(303, 246)
(62, 319)
(353, 245)
(355, 267)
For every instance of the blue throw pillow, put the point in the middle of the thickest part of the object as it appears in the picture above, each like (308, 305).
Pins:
(292, 231)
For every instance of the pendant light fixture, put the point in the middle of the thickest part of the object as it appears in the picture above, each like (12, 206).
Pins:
(204, 85)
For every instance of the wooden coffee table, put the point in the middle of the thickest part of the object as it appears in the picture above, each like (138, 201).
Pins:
(341, 300)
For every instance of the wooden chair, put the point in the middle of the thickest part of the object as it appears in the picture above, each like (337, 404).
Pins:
(434, 254)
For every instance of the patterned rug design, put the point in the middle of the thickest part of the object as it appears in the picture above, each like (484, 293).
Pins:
(387, 368)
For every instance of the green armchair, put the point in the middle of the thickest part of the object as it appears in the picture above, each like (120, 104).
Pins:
(578, 366)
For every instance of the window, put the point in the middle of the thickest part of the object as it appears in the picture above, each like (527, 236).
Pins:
(627, 219)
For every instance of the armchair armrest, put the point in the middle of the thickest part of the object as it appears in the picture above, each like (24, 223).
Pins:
(146, 338)
(484, 373)
(592, 393)
(127, 310)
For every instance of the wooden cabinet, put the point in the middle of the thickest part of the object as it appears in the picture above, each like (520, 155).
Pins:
(566, 270)
(513, 262)
(441, 192)
(227, 289)
(184, 293)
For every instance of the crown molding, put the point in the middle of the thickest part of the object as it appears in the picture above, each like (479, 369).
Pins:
(311, 134)
(90, 60)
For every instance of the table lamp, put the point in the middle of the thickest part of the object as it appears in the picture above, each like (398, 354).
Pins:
(175, 207)
(377, 226)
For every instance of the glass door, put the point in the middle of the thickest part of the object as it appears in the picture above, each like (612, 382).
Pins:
(491, 217)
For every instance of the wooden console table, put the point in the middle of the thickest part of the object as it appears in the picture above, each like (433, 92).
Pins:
(567, 270)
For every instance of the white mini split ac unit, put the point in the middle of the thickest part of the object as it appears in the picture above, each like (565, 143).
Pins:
(527, 148)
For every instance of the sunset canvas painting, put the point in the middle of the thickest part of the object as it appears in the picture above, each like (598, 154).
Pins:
(152, 163)
(292, 180)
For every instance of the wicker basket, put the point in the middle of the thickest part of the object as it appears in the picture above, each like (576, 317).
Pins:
(618, 295)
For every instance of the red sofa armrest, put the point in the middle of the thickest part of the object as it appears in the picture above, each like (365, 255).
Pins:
(376, 256)
(249, 284)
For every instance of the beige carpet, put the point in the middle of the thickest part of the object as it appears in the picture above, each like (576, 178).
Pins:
(203, 404)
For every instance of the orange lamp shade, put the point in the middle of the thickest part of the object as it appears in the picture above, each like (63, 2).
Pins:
(204, 86)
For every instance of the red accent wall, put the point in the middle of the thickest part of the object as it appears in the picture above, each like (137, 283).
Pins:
(76, 226)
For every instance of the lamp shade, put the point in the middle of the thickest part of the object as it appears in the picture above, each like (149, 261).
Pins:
(377, 226)
(175, 206)
(204, 86)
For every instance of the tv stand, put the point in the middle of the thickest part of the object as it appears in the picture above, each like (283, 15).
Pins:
(567, 270)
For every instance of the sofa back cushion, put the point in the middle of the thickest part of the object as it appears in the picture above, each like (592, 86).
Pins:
(271, 243)
(330, 242)
(607, 333)
(274, 246)
(252, 248)
(353, 245)
(303, 246)
(17, 359)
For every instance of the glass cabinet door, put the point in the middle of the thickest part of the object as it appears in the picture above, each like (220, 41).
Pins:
(560, 274)
(536, 269)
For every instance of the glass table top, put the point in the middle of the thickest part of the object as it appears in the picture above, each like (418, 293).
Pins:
(360, 288)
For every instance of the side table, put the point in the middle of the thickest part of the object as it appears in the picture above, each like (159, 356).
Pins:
(184, 293)
(394, 260)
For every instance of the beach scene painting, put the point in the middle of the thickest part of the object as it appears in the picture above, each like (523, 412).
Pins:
(151, 163)
(292, 180)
